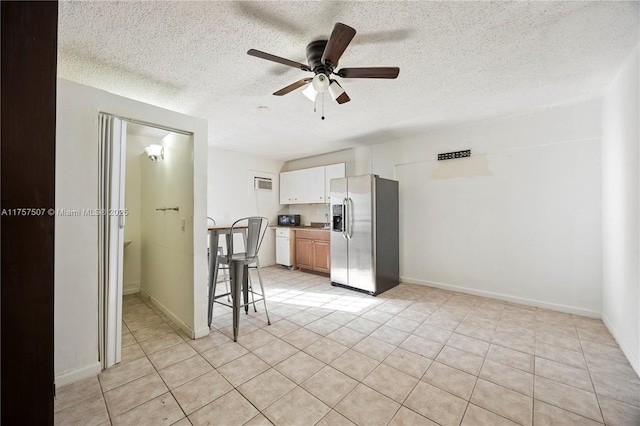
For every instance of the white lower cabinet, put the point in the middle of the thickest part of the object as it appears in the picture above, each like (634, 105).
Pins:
(285, 247)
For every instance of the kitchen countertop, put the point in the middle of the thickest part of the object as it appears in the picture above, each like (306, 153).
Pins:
(314, 226)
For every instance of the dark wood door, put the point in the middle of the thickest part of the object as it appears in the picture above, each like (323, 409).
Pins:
(27, 163)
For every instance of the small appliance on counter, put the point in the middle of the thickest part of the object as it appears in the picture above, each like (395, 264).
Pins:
(288, 220)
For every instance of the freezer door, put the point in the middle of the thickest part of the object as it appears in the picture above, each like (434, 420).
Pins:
(339, 271)
(360, 232)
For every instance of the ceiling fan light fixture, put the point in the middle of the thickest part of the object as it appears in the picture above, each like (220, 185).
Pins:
(320, 82)
(310, 92)
(335, 90)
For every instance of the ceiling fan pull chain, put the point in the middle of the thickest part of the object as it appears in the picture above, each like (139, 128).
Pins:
(323, 105)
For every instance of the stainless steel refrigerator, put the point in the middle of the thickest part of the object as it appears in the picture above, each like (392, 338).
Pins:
(364, 233)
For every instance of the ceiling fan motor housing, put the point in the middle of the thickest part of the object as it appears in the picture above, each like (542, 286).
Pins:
(315, 49)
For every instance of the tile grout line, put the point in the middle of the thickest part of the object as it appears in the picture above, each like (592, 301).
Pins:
(159, 375)
(589, 371)
(441, 308)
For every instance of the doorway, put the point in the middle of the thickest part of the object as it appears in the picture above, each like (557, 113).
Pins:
(146, 235)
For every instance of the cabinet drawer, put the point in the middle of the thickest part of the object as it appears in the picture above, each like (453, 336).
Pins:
(283, 232)
(314, 234)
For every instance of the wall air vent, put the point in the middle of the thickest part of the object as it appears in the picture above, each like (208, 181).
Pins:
(456, 154)
(262, 184)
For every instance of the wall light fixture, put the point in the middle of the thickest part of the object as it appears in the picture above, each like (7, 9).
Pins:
(155, 152)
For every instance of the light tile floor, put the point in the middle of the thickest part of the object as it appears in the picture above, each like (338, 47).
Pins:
(414, 355)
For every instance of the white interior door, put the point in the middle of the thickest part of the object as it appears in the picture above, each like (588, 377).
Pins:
(113, 133)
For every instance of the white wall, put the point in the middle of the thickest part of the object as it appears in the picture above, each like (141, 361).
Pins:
(347, 156)
(132, 271)
(309, 212)
(76, 245)
(167, 236)
(519, 220)
(231, 195)
(621, 209)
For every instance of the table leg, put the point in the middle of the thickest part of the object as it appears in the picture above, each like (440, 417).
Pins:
(245, 288)
(236, 285)
(213, 258)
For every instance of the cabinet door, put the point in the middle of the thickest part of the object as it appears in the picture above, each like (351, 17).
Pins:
(304, 253)
(332, 171)
(298, 186)
(283, 254)
(315, 185)
(322, 256)
(286, 181)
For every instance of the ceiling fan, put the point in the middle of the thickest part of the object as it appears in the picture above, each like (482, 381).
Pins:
(323, 57)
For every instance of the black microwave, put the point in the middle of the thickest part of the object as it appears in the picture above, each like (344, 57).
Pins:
(288, 220)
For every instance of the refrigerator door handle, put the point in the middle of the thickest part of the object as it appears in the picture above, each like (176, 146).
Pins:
(344, 218)
(349, 222)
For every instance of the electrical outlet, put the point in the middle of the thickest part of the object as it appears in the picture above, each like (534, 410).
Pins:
(452, 155)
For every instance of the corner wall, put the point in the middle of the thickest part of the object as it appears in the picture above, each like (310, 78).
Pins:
(76, 245)
(621, 209)
(519, 220)
(231, 195)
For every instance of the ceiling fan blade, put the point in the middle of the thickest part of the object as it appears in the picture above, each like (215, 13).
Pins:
(343, 98)
(371, 72)
(340, 38)
(278, 59)
(292, 87)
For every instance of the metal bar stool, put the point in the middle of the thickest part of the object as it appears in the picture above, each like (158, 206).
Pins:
(239, 264)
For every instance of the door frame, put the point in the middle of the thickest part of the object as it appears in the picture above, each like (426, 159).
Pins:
(111, 192)
(28, 176)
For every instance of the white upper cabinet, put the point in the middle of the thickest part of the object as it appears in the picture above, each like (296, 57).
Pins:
(293, 187)
(315, 185)
(286, 187)
(309, 186)
(332, 171)
(299, 186)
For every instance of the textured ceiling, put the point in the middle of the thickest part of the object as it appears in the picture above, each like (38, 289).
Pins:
(459, 61)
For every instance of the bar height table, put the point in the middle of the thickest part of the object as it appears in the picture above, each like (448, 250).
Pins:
(236, 269)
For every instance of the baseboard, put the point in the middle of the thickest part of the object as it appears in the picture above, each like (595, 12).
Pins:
(190, 332)
(80, 374)
(514, 299)
(130, 288)
(201, 332)
(634, 360)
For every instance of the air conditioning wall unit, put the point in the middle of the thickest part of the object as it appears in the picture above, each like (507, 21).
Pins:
(262, 183)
